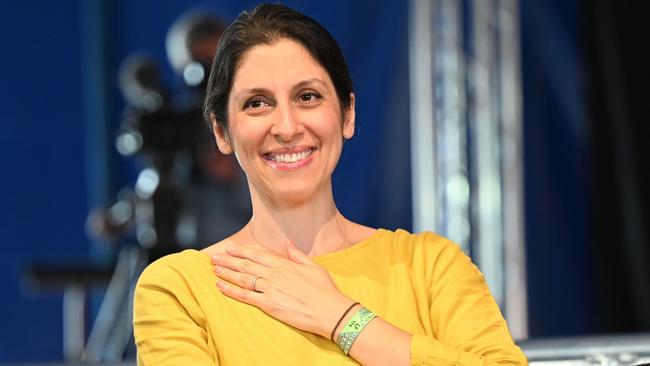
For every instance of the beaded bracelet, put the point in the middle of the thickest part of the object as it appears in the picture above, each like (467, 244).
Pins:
(353, 328)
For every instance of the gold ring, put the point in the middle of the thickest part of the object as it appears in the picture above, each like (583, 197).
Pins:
(253, 283)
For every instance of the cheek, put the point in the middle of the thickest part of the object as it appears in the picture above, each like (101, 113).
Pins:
(327, 121)
(332, 126)
(247, 138)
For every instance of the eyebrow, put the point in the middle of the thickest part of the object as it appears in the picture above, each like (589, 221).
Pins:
(299, 85)
(308, 82)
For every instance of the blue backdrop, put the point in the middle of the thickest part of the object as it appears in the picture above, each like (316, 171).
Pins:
(48, 102)
(48, 180)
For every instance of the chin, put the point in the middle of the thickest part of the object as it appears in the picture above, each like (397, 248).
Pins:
(292, 191)
(293, 197)
(296, 191)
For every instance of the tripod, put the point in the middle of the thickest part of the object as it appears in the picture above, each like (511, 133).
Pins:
(113, 329)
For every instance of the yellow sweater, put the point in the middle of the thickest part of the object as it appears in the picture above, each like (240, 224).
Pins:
(421, 283)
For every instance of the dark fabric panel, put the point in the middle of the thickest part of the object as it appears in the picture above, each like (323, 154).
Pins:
(618, 79)
(557, 185)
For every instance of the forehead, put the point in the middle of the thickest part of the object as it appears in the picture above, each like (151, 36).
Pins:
(284, 62)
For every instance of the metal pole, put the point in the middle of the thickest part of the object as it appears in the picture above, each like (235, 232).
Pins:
(422, 116)
(452, 126)
(74, 304)
(516, 311)
(487, 225)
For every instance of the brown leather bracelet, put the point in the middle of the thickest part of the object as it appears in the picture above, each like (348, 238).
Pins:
(340, 320)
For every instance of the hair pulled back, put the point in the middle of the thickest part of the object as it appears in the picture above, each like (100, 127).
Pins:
(268, 24)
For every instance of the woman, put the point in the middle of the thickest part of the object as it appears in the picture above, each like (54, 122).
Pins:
(300, 284)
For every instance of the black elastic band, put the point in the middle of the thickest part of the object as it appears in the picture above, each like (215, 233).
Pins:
(340, 320)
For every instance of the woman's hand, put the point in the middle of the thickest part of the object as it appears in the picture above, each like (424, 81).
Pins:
(294, 290)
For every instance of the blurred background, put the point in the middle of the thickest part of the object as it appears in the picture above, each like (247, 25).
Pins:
(514, 128)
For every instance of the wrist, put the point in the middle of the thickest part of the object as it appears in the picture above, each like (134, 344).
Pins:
(337, 316)
(345, 320)
(353, 328)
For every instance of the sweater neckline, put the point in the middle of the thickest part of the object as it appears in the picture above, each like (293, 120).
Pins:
(328, 256)
(352, 248)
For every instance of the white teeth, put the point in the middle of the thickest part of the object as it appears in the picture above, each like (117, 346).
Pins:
(290, 158)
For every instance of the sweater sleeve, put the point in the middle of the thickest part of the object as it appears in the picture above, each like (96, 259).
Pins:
(468, 326)
(168, 324)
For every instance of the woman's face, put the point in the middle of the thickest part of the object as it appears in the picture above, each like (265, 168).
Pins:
(285, 122)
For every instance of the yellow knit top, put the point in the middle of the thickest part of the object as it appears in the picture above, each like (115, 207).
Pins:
(421, 283)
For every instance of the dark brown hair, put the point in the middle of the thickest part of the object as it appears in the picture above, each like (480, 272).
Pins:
(267, 24)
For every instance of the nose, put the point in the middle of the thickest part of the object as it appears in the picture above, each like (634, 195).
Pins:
(288, 124)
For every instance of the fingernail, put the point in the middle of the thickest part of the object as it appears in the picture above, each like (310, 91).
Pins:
(230, 250)
(218, 269)
(216, 257)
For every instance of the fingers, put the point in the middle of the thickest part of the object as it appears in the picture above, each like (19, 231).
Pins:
(297, 255)
(241, 294)
(240, 265)
(246, 281)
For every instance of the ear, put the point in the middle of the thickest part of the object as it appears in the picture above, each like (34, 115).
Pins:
(348, 122)
(221, 136)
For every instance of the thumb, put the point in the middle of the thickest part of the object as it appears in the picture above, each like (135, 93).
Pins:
(296, 254)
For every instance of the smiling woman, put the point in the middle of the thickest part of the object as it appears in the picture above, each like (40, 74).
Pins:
(285, 123)
(301, 284)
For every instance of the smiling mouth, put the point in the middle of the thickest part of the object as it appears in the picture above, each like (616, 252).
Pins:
(289, 158)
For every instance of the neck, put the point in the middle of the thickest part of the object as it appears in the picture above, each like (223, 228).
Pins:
(315, 226)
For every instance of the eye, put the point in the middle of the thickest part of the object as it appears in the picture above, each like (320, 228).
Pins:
(255, 104)
(309, 97)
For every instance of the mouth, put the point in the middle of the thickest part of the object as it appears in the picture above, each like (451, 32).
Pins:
(289, 157)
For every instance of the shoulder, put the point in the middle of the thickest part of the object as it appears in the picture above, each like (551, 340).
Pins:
(426, 243)
(426, 252)
(175, 271)
(169, 306)
(174, 285)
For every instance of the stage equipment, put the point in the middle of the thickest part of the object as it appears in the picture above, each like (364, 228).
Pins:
(162, 131)
(606, 350)
(466, 138)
